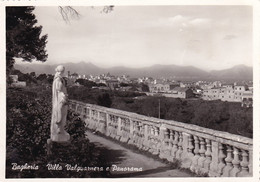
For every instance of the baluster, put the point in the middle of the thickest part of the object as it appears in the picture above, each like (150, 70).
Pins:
(180, 150)
(164, 138)
(152, 131)
(175, 144)
(156, 140)
(190, 146)
(167, 143)
(222, 156)
(88, 113)
(229, 166)
(250, 159)
(128, 126)
(98, 120)
(208, 154)
(187, 150)
(171, 139)
(235, 163)
(76, 107)
(145, 137)
(112, 125)
(107, 124)
(196, 153)
(143, 132)
(134, 132)
(244, 164)
(156, 131)
(115, 120)
(170, 145)
(139, 133)
(90, 121)
(151, 139)
(121, 130)
(153, 136)
(164, 142)
(202, 153)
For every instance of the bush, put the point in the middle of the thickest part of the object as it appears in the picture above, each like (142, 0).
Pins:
(28, 128)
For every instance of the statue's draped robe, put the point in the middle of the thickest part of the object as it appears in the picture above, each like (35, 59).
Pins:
(59, 109)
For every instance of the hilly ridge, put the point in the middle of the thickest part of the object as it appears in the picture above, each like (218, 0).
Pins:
(239, 72)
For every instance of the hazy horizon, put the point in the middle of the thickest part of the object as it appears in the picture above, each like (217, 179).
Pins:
(46, 63)
(142, 36)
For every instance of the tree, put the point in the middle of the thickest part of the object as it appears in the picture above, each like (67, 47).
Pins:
(23, 37)
(123, 84)
(86, 83)
(42, 77)
(69, 12)
(32, 74)
(104, 100)
(145, 88)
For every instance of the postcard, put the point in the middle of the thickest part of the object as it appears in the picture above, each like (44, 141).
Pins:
(131, 90)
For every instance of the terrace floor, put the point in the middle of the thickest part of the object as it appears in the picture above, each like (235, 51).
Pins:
(121, 157)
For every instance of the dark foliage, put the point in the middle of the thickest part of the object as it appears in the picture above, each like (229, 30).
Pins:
(124, 84)
(86, 83)
(217, 115)
(94, 96)
(27, 131)
(104, 100)
(145, 88)
(23, 37)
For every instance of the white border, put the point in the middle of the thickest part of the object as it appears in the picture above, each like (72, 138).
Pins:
(256, 76)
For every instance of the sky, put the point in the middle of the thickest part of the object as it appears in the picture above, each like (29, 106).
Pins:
(207, 37)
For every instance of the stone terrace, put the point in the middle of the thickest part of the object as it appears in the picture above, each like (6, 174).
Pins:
(201, 150)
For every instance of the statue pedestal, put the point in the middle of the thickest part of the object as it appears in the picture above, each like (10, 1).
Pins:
(60, 138)
(53, 146)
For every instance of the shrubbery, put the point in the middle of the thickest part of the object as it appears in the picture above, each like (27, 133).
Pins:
(28, 128)
(217, 115)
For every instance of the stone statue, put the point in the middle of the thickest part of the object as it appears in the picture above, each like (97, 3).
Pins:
(59, 107)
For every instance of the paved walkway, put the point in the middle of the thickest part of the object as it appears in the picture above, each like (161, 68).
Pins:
(134, 163)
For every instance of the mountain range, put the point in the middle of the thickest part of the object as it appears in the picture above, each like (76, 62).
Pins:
(238, 72)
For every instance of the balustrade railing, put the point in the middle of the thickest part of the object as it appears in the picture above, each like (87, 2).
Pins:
(202, 150)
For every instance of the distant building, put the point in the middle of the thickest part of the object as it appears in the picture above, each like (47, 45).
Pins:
(179, 92)
(157, 88)
(228, 93)
(217, 84)
(187, 84)
(247, 99)
(204, 86)
(211, 94)
(239, 90)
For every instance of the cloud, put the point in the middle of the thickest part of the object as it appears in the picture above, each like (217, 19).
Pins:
(229, 37)
(177, 19)
(181, 22)
(200, 21)
(174, 21)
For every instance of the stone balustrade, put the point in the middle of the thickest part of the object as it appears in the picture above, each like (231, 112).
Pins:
(202, 150)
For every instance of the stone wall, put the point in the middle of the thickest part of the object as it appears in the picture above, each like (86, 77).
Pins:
(202, 150)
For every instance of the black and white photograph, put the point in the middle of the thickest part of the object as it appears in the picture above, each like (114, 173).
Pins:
(130, 91)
